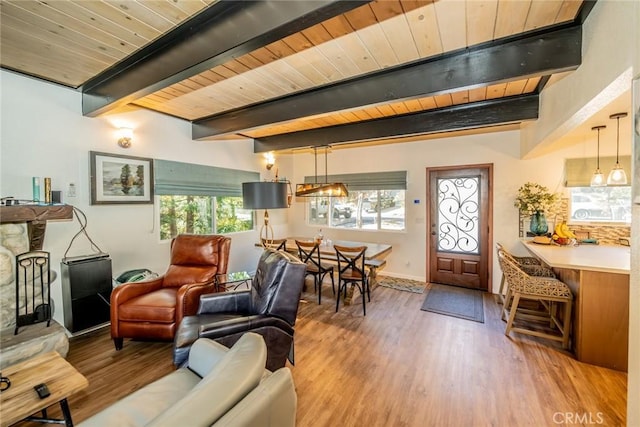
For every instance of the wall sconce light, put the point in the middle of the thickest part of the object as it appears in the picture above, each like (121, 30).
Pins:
(270, 160)
(124, 137)
(617, 176)
(597, 179)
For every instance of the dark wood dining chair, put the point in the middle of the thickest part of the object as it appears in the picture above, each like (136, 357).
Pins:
(351, 270)
(309, 253)
(277, 244)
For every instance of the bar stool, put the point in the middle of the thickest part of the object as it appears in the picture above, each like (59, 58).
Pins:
(531, 265)
(522, 286)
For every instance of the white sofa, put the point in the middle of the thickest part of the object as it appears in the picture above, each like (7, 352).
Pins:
(218, 387)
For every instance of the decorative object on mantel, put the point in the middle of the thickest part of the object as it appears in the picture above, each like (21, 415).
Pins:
(617, 176)
(534, 199)
(597, 180)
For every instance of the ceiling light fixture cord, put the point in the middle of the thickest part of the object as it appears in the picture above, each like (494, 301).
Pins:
(597, 179)
(326, 176)
(598, 153)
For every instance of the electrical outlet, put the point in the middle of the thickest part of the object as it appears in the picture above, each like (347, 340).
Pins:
(71, 190)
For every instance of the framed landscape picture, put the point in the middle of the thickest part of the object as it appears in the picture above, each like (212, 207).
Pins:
(117, 179)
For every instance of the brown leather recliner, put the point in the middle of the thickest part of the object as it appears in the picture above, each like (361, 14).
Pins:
(153, 309)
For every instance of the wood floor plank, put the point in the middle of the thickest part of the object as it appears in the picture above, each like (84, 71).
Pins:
(398, 366)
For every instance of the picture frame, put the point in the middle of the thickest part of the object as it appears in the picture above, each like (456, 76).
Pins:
(119, 179)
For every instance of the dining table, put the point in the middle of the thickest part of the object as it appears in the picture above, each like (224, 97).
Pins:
(375, 255)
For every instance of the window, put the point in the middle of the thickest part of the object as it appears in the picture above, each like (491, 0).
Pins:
(600, 204)
(201, 199)
(375, 202)
(194, 214)
(365, 210)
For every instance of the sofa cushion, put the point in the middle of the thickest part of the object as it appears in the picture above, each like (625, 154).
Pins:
(157, 306)
(229, 381)
(140, 407)
(205, 355)
(272, 403)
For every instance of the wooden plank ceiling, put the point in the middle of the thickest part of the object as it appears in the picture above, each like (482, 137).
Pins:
(73, 42)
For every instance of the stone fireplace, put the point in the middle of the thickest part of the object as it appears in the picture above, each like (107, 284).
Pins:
(22, 230)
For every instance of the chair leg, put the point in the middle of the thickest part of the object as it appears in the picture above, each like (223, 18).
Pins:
(366, 283)
(291, 355)
(566, 330)
(500, 292)
(118, 342)
(333, 286)
(318, 280)
(505, 305)
(512, 313)
(363, 291)
(553, 313)
(339, 292)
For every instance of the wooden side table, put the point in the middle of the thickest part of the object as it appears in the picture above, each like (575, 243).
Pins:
(21, 401)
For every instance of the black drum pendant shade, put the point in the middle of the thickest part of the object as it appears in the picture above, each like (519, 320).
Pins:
(264, 195)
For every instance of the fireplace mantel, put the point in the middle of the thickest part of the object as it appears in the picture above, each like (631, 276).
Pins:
(36, 217)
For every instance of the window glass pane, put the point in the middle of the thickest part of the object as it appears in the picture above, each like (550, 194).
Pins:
(318, 208)
(600, 204)
(231, 217)
(392, 210)
(185, 214)
(360, 210)
(458, 201)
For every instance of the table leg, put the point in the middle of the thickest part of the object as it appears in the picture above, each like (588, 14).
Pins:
(66, 413)
(373, 273)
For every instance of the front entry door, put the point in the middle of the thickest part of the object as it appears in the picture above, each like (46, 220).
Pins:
(459, 218)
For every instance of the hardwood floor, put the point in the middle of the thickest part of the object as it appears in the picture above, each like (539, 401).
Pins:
(398, 366)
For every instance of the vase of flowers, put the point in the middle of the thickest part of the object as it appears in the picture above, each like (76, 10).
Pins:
(534, 199)
(538, 224)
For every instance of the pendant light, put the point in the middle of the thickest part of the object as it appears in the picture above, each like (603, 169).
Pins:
(617, 176)
(326, 189)
(597, 180)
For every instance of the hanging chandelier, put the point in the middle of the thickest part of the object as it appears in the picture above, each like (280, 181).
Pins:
(325, 189)
(617, 176)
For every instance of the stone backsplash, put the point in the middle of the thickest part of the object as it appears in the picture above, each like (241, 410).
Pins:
(606, 234)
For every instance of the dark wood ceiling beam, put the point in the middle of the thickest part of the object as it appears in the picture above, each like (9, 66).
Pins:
(223, 31)
(459, 117)
(532, 54)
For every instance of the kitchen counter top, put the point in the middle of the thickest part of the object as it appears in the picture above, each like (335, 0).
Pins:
(602, 258)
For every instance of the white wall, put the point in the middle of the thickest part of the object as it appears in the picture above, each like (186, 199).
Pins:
(43, 133)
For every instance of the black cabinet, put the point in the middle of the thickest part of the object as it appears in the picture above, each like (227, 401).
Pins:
(86, 291)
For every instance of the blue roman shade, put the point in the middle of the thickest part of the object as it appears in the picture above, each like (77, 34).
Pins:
(187, 179)
(392, 180)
